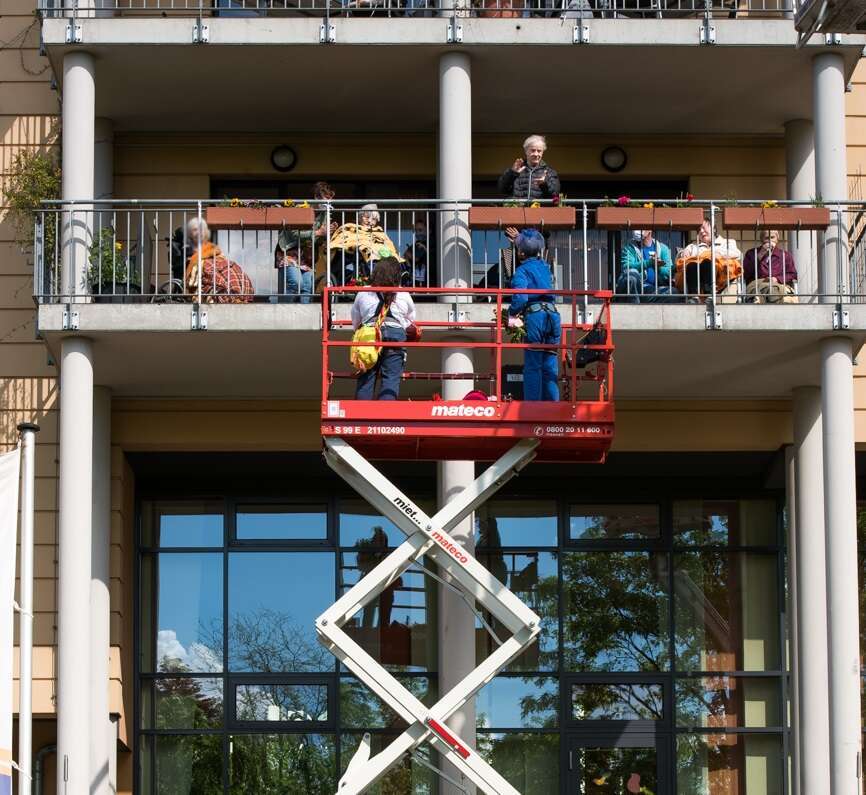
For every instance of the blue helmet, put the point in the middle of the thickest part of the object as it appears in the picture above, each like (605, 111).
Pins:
(530, 243)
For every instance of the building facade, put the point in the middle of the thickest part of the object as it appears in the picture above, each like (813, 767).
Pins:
(187, 530)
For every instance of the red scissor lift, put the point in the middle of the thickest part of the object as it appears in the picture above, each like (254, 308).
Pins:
(578, 427)
(511, 433)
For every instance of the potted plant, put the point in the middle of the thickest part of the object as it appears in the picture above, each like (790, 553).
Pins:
(521, 216)
(254, 214)
(626, 214)
(112, 276)
(771, 216)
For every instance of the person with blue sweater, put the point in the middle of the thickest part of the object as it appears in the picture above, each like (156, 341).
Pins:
(538, 315)
(645, 270)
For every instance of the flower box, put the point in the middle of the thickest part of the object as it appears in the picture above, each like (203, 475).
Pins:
(259, 217)
(682, 219)
(812, 218)
(522, 217)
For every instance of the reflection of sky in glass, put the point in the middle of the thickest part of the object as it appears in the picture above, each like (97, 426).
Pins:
(516, 524)
(189, 624)
(532, 577)
(274, 599)
(190, 530)
(510, 702)
(358, 521)
(281, 523)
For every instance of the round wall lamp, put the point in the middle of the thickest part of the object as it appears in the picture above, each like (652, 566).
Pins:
(284, 158)
(614, 158)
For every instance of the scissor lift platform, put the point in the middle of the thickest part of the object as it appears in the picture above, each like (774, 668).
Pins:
(511, 433)
(577, 428)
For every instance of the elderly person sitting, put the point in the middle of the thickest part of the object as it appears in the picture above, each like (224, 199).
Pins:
(770, 272)
(359, 246)
(220, 280)
(529, 177)
(645, 270)
(706, 262)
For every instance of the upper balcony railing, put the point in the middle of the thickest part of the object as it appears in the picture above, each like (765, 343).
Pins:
(170, 251)
(494, 9)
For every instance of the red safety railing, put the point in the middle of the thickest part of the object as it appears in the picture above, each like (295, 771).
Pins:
(474, 321)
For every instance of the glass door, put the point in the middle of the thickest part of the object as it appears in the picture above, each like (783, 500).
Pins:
(625, 764)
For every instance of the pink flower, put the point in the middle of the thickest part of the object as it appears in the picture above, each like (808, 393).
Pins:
(623, 201)
(555, 199)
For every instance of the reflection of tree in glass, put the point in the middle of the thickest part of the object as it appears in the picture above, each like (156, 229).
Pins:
(616, 615)
(269, 641)
(189, 765)
(183, 703)
(360, 708)
(281, 702)
(617, 702)
(407, 778)
(706, 611)
(278, 764)
(529, 762)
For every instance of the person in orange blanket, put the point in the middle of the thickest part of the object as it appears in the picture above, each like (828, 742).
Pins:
(222, 281)
(706, 260)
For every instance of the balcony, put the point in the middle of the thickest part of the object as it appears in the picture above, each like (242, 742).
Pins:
(127, 275)
(659, 50)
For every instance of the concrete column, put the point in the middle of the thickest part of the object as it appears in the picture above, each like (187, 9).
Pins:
(800, 173)
(811, 591)
(78, 114)
(456, 621)
(101, 727)
(791, 613)
(73, 614)
(831, 170)
(455, 167)
(840, 512)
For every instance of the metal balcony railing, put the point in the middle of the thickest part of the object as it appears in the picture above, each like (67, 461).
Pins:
(494, 9)
(249, 252)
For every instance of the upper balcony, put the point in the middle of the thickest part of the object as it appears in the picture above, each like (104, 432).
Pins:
(736, 59)
(180, 307)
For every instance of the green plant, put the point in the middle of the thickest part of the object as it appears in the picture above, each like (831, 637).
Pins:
(110, 261)
(33, 178)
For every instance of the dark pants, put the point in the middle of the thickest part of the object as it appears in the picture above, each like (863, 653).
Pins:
(541, 368)
(389, 366)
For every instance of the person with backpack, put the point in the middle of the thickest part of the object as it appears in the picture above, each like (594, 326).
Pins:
(537, 313)
(393, 314)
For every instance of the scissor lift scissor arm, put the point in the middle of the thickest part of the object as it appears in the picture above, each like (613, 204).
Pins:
(426, 536)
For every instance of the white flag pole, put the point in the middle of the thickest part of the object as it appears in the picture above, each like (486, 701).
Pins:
(28, 433)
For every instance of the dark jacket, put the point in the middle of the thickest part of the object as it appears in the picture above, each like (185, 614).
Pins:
(758, 264)
(531, 274)
(541, 182)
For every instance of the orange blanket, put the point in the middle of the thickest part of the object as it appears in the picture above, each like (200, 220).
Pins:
(728, 269)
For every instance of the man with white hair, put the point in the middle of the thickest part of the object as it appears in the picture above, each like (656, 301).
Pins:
(529, 177)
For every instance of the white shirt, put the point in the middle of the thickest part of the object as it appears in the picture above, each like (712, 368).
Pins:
(364, 309)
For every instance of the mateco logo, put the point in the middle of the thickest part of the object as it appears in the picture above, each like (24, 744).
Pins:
(463, 410)
(408, 508)
(451, 548)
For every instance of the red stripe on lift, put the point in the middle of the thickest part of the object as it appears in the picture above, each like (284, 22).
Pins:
(449, 738)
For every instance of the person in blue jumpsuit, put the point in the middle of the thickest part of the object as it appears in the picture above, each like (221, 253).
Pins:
(540, 318)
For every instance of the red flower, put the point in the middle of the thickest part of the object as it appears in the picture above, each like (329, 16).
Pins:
(555, 199)
(623, 201)
(690, 197)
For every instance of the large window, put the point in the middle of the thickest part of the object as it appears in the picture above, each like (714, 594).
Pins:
(658, 666)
